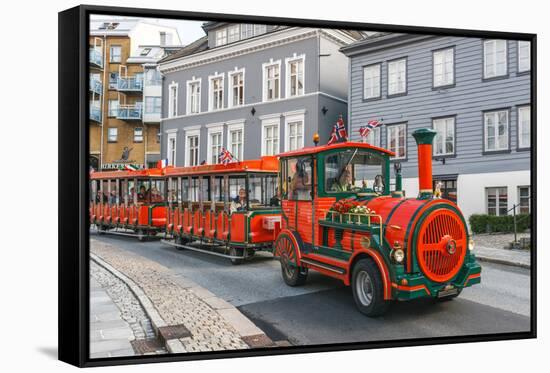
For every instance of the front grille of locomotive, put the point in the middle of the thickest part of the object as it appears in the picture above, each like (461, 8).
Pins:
(441, 245)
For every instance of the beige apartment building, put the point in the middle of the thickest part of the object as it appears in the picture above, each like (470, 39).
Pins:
(125, 91)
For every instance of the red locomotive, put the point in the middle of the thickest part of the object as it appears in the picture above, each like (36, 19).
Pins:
(340, 218)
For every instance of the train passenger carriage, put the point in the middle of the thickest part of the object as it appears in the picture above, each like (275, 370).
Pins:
(340, 218)
(229, 210)
(131, 203)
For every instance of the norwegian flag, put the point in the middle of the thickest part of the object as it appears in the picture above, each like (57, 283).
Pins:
(225, 156)
(338, 132)
(365, 130)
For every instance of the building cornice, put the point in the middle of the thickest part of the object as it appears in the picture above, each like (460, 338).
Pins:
(382, 42)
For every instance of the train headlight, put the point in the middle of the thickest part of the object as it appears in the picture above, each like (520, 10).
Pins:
(471, 244)
(398, 255)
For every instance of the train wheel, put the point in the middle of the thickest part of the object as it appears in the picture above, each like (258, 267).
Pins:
(368, 290)
(292, 274)
(181, 241)
(142, 235)
(236, 251)
(100, 230)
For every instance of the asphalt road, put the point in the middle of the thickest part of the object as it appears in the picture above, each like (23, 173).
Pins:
(322, 311)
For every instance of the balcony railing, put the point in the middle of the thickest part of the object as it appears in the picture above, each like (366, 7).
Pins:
(96, 86)
(95, 113)
(130, 84)
(130, 112)
(96, 57)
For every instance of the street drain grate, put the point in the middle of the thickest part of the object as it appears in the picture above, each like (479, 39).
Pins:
(174, 332)
(257, 341)
(147, 346)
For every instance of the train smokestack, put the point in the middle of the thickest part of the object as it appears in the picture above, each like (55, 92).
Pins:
(424, 139)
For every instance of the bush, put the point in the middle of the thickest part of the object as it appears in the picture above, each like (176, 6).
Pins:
(483, 223)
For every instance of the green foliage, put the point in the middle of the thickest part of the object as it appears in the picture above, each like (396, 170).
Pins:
(483, 223)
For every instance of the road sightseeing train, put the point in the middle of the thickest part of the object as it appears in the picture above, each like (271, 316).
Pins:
(325, 208)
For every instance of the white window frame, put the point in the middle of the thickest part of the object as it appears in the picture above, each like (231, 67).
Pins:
(173, 101)
(446, 54)
(374, 93)
(528, 57)
(444, 121)
(211, 79)
(497, 200)
(265, 66)
(389, 137)
(288, 61)
(230, 87)
(290, 119)
(111, 48)
(221, 37)
(115, 134)
(110, 103)
(486, 132)
(192, 133)
(189, 106)
(519, 197)
(374, 137)
(233, 127)
(260, 29)
(521, 123)
(247, 30)
(214, 129)
(142, 134)
(236, 35)
(397, 64)
(150, 108)
(485, 59)
(171, 156)
(268, 122)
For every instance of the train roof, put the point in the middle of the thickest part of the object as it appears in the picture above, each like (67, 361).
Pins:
(265, 164)
(123, 174)
(340, 145)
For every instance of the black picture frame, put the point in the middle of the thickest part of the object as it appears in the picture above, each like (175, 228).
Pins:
(73, 247)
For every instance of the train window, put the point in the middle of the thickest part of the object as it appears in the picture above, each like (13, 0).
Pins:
(143, 191)
(94, 192)
(205, 188)
(158, 191)
(132, 195)
(236, 183)
(194, 190)
(173, 191)
(218, 189)
(299, 178)
(185, 190)
(354, 171)
(123, 192)
(262, 189)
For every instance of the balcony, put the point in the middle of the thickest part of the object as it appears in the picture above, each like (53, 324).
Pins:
(130, 112)
(95, 113)
(96, 58)
(130, 84)
(96, 86)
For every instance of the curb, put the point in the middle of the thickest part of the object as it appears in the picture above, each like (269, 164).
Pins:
(502, 261)
(172, 345)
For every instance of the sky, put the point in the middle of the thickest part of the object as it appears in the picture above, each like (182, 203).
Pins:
(188, 31)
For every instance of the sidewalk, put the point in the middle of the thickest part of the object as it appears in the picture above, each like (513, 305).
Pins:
(185, 316)
(491, 248)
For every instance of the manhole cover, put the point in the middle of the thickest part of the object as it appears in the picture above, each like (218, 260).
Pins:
(174, 332)
(257, 341)
(147, 346)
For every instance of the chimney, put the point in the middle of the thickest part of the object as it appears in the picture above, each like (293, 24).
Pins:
(424, 138)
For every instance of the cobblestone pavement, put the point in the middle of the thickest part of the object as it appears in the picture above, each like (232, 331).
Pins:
(176, 304)
(494, 248)
(497, 241)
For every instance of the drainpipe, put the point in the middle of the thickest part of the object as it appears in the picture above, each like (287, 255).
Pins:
(424, 138)
(103, 101)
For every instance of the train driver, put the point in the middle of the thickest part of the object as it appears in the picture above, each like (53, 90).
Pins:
(344, 182)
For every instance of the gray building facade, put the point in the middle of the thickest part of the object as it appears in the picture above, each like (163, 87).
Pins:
(252, 89)
(474, 92)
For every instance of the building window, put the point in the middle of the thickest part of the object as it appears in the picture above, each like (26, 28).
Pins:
(495, 58)
(115, 53)
(524, 127)
(496, 130)
(192, 158)
(152, 105)
(371, 81)
(173, 100)
(373, 137)
(397, 140)
(295, 77)
(524, 56)
(221, 37)
(171, 153)
(443, 67)
(524, 197)
(113, 108)
(397, 76)
(113, 80)
(236, 89)
(153, 77)
(272, 81)
(215, 141)
(497, 201)
(444, 143)
(448, 188)
(216, 92)
(165, 39)
(233, 33)
(194, 96)
(270, 137)
(247, 31)
(236, 141)
(295, 137)
(112, 134)
(138, 134)
(260, 29)
(159, 134)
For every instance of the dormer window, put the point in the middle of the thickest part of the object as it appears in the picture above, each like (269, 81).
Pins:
(233, 33)
(221, 37)
(145, 51)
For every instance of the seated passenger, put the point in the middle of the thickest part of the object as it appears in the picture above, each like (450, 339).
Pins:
(239, 202)
(344, 182)
(142, 195)
(155, 195)
(274, 201)
(300, 188)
